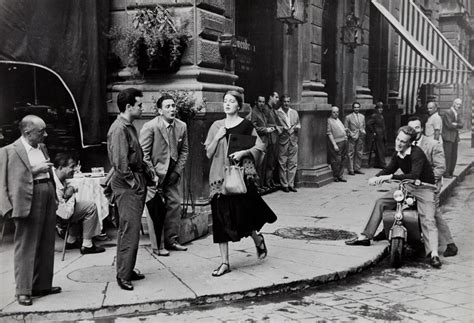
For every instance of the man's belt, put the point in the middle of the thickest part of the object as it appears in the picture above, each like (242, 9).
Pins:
(136, 169)
(41, 180)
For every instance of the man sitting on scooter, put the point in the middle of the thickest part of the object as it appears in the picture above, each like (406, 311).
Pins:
(414, 165)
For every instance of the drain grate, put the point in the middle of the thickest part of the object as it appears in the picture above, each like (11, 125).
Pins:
(305, 233)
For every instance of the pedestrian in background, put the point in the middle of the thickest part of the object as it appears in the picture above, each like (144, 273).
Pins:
(434, 124)
(259, 117)
(272, 175)
(241, 215)
(27, 193)
(288, 144)
(127, 183)
(452, 122)
(164, 141)
(337, 145)
(376, 128)
(355, 125)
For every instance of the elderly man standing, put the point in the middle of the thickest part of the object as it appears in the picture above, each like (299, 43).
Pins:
(288, 145)
(27, 192)
(337, 144)
(355, 125)
(434, 124)
(128, 183)
(452, 122)
(164, 141)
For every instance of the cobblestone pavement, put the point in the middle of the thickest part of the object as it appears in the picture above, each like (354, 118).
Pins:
(414, 293)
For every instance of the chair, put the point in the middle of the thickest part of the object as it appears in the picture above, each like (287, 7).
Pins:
(65, 239)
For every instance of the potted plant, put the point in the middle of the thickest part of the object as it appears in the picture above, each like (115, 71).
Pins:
(153, 41)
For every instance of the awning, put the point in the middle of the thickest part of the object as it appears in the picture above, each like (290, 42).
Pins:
(425, 55)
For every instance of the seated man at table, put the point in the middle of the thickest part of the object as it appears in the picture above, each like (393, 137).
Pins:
(80, 213)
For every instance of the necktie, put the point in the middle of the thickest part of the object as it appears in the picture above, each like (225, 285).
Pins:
(172, 143)
(415, 143)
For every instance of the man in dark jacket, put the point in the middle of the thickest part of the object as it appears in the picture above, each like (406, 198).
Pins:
(376, 129)
(452, 122)
(414, 165)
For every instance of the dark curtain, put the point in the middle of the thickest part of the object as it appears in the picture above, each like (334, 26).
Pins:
(69, 37)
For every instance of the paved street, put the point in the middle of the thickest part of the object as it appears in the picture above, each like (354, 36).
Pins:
(414, 293)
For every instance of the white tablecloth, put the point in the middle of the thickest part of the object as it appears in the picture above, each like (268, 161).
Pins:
(89, 189)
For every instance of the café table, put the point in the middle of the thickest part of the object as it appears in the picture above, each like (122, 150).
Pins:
(89, 189)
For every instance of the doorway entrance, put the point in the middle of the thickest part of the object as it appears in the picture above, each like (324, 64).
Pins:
(254, 28)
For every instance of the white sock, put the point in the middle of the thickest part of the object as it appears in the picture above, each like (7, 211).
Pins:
(87, 243)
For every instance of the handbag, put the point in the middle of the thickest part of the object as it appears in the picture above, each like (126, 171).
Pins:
(233, 180)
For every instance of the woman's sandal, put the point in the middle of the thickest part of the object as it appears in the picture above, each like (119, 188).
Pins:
(261, 248)
(219, 272)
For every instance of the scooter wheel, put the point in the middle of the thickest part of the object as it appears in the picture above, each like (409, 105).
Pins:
(396, 252)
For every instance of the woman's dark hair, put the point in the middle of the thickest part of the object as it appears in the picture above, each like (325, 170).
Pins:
(127, 96)
(238, 96)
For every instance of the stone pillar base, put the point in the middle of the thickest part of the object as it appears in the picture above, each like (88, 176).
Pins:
(314, 177)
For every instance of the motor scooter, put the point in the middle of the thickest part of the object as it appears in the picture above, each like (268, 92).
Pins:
(402, 226)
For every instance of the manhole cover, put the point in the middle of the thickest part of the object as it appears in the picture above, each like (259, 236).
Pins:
(93, 274)
(305, 233)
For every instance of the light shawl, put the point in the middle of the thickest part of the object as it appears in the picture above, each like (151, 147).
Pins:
(219, 159)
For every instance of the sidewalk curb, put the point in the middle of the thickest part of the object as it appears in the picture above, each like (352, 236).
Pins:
(447, 190)
(149, 307)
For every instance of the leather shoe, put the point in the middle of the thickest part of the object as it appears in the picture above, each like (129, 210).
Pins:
(380, 236)
(340, 179)
(291, 188)
(285, 189)
(93, 249)
(351, 173)
(451, 250)
(124, 284)
(161, 252)
(357, 242)
(435, 262)
(176, 247)
(136, 275)
(75, 245)
(24, 300)
(53, 290)
(358, 172)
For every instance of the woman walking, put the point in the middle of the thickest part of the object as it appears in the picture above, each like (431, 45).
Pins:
(242, 215)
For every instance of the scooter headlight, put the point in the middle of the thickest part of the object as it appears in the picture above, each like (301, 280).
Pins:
(410, 201)
(398, 195)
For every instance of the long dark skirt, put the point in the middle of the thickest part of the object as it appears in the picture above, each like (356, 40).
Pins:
(236, 216)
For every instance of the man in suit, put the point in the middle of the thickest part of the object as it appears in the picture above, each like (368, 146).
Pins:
(164, 141)
(128, 183)
(355, 125)
(337, 144)
(435, 155)
(434, 124)
(288, 144)
(261, 118)
(273, 104)
(82, 214)
(376, 128)
(452, 122)
(411, 160)
(27, 193)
